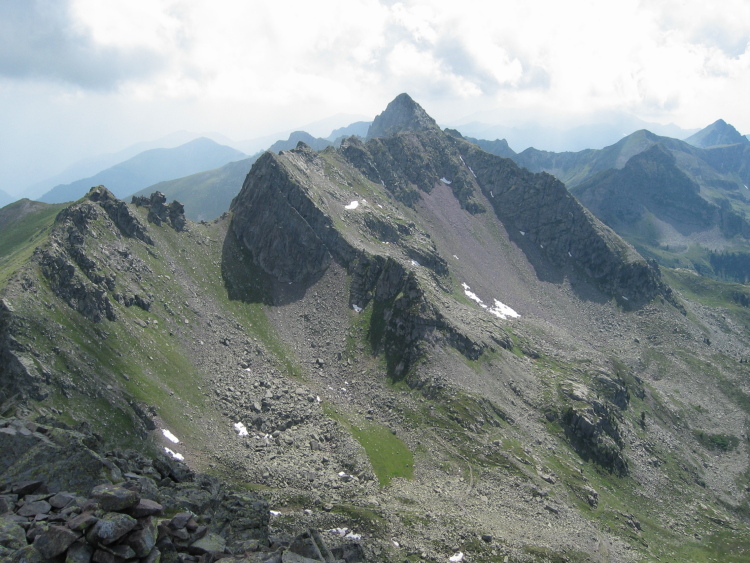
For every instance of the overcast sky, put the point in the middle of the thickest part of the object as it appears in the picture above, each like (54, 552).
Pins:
(80, 77)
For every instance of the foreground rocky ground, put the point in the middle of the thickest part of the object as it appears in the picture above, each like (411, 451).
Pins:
(63, 501)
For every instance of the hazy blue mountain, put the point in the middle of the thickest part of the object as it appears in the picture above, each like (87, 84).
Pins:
(91, 165)
(148, 168)
(5, 199)
(719, 133)
(564, 138)
(205, 195)
(358, 128)
(314, 143)
(497, 147)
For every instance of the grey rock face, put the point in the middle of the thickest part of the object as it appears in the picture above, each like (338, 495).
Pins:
(540, 206)
(159, 212)
(402, 114)
(76, 273)
(274, 217)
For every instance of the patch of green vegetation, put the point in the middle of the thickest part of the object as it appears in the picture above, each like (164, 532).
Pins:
(19, 236)
(388, 455)
(365, 519)
(720, 442)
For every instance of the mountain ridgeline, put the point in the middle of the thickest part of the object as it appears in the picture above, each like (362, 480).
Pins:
(410, 347)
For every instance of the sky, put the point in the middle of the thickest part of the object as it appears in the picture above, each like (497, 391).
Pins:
(83, 77)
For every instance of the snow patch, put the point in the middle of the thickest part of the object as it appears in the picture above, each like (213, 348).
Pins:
(502, 311)
(274, 513)
(175, 455)
(470, 294)
(353, 205)
(457, 558)
(171, 437)
(241, 429)
(499, 309)
(456, 257)
(472, 172)
(415, 263)
(445, 180)
(357, 308)
(523, 233)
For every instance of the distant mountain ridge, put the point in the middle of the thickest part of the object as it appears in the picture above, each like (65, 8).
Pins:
(717, 134)
(148, 168)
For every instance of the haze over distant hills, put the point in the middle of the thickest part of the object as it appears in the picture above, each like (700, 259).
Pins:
(148, 167)
(717, 134)
(608, 129)
(684, 203)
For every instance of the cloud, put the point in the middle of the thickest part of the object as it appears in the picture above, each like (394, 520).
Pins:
(41, 40)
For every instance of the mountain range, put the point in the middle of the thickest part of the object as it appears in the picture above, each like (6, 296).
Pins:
(149, 167)
(404, 342)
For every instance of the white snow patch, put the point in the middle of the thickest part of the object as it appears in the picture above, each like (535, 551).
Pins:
(356, 308)
(171, 437)
(248, 369)
(345, 533)
(380, 206)
(462, 158)
(395, 543)
(457, 558)
(523, 233)
(569, 254)
(353, 205)
(381, 181)
(503, 311)
(275, 513)
(415, 263)
(625, 298)
(499, 309)
(456, 257)
(472, 172)
(746, 186)
(241, 429)
(492, 194)
(470, 294)
(445, 180)
(175, 455)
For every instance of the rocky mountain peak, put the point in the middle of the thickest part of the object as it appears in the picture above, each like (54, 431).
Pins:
(719, 133)
(402, 114)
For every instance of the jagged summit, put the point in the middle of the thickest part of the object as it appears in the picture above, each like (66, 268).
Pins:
(402, 114)
(719, 133)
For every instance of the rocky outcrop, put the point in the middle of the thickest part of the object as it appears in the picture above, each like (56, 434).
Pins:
(61, 500)
(120, 214)
(159, 212)
(539, 206)
(79, 274)
(594, 432)
(402, 114)
(276, 219)
(20, 378)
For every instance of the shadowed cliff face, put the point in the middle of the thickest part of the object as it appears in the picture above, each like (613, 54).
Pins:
(281, 217)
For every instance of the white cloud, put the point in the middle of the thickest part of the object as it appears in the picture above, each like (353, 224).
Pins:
(144, 68)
